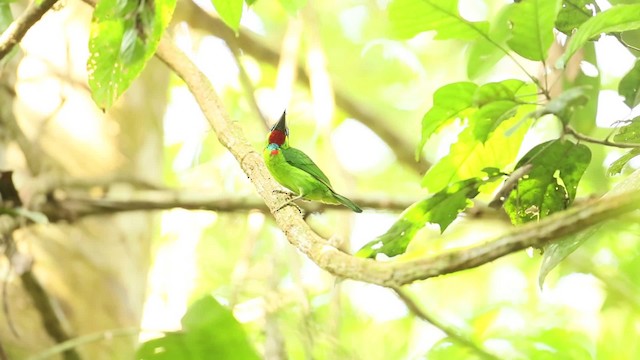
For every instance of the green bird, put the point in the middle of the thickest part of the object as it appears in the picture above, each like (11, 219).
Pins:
(294, 170)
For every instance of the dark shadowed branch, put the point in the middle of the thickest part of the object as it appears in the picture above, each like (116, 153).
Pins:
(16, 31)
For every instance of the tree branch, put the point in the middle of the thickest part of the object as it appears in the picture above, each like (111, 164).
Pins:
(69, 205)
(19, 27)
(392, 273)
(249, 43)
(606, 142)
(34, 289)
(452, 332)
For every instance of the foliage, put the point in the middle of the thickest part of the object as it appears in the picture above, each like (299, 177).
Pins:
(493, 118)
(208, 330)
(442, 208)
(482, 123)
(124, 36)
(557, 165)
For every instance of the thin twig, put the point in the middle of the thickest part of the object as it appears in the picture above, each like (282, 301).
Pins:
(449, 330)
(50, 320)
(72, 206)
(569, 130)
(19, 27)
(71, 344)
(246, 82)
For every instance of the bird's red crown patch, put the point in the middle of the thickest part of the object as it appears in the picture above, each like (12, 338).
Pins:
(277, 137)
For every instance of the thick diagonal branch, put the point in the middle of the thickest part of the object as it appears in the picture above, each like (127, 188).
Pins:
(16, 31)
(392, 273)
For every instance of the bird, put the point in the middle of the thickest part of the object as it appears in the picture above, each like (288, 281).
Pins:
(294, 170)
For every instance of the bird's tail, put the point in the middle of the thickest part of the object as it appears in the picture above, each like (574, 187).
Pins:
(348, 203)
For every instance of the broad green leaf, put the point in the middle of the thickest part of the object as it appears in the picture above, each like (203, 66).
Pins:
(230, 12)
(496, 103)
(293, 6)
(551, 344)
(557, 251)
(490, 116)
(583, 118)
(442, 208)
(496, 91)
(629, 86)
(411, 17)
(616, 167)
(532, 23)
(485, 53)
(564, 104)
(6, 17)
(449, 102)
(124, 36)
(209, 331)
(629, 133)
(616, 19)
(573, 13)
(551, 184)
(469, 155)
(448, 348)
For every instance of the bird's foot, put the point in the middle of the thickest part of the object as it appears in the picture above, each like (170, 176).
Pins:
(290, 202)
(285, 192)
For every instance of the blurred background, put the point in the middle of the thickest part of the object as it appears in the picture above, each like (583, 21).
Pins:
(148, 212)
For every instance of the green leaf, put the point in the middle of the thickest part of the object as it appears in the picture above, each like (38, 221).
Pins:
(485, 53)
(124, 36)
(616, 167)
(557, 251)
(449, 102)
(496, 91)
(583, 118)
(442, 208)
(629, 86)
(6, 17)
(411, 17)
(573, 13)
(532, 23)
(496, 103)
(564, 104)
(551, 184)
(449, 348)
(209, 331)
(550, 343)
(293, 6)
(616, 19)
(629, 133)
(230, 12)
(489, 117)
(469, 155)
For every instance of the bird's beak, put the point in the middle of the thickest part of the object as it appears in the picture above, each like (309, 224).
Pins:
(281, 124)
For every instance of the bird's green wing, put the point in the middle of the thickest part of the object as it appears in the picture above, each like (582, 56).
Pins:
(297, 158)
